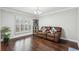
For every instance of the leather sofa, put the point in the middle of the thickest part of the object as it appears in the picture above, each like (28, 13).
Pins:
(45, 33)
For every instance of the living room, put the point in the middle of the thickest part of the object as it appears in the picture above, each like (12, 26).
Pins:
(20, 21)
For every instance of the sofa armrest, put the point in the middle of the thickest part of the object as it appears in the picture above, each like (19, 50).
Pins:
(57, 33)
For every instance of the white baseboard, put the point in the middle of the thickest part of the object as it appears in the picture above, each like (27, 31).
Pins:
(71, 40)
(17, 36)
(21, 35)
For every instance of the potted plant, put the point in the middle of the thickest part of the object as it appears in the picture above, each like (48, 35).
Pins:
(5, 34)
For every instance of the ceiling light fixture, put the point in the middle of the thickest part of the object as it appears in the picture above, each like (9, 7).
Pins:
(37, 11)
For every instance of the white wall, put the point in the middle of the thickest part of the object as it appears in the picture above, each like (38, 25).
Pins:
(8, 19)
(78, 26)
(0, 28)
(66, 19)
(0, 24)
(0, 17)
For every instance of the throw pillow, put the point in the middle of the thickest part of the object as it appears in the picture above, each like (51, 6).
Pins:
(53, 29)
(43, 30)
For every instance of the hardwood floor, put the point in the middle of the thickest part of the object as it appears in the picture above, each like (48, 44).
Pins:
(41, 44)
(23, 44)
(34, 43)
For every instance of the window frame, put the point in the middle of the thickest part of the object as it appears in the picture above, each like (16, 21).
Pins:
(21, 21)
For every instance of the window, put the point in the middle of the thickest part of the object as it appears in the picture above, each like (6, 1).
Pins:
(22, 24)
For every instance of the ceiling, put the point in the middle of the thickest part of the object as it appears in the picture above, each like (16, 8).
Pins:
(42, 9)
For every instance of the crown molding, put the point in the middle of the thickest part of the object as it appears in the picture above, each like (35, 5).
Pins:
(57, 11)
(15, 11)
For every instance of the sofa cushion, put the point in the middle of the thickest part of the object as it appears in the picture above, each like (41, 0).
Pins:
(42, 33)
(49, 34)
